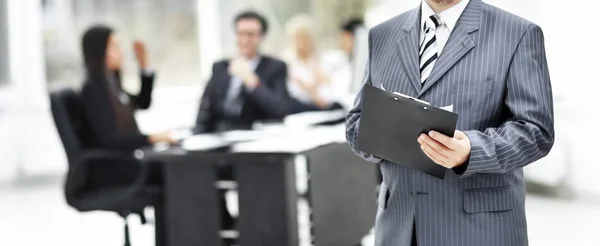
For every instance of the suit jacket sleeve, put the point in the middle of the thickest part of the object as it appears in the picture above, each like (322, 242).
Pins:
(205, 120)
(101, 118)
(144, 98)
(274, 101)
(528, 135)
(353, 116)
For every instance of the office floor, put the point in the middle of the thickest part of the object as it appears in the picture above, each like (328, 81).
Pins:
(36, 214)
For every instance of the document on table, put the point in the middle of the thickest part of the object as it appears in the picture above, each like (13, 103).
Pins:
(251, 135)
(202, 142)
(181, 134)
(307, 119)
(295, 140)
(390, 124)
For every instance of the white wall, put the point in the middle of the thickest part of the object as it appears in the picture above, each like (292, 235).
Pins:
(29, 144)
(573, 69)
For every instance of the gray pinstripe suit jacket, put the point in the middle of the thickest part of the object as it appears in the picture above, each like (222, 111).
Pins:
(494, 71)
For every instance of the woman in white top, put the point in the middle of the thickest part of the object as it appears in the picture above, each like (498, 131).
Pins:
(307, 82)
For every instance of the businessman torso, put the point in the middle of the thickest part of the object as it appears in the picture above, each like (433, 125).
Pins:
(257, 104)
(478, 72)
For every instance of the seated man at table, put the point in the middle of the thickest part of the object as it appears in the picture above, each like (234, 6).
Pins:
(244, 89)
(247, 88)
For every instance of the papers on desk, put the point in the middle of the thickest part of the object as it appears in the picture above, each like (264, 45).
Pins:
(294, 140)
(181, 134)
(313, 118)
(250, 135)
(211, 141)
(260, 125)
(284, 140)
(203, 142)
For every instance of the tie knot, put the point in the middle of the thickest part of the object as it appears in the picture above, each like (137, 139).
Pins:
(433, 22)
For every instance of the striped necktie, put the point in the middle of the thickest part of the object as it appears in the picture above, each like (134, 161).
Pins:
(234, 102)
(428, 51)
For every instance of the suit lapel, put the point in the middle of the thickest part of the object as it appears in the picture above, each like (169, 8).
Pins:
(458, 45)
(261, 67)
(226, 79)
(408, 48)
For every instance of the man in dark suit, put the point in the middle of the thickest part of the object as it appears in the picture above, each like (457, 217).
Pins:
(247, 88)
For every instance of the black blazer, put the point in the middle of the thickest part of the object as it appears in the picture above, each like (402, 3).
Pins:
(269, 101)
(101, 117)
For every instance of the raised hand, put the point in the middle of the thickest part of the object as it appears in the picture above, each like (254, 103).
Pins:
(141, 54)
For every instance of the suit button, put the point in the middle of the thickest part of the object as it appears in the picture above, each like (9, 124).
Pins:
(412, 193)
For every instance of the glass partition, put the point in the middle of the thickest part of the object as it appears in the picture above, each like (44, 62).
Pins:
(277, 13)
(4, 65)
(168, 28)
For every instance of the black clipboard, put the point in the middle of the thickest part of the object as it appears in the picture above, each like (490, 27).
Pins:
(390, 125)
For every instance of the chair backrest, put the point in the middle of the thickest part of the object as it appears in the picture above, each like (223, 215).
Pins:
(70, 123)
(75, 132)
(69, 120)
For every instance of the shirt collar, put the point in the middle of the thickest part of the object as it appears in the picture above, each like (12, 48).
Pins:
(253, 62)
(449, 16)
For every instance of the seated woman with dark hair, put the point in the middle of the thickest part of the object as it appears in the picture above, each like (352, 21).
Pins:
(107, 108)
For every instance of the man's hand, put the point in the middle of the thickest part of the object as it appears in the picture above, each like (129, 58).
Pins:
(446, 151)
(240, 68)
(141, 54)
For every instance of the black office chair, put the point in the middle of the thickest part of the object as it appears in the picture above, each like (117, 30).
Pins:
(90, 183)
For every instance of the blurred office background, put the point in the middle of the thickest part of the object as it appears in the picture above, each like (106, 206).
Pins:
(40, 47)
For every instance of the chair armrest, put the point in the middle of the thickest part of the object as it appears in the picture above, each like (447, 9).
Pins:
(124, 163)
(107, 155)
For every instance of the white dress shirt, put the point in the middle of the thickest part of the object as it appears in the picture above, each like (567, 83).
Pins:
(303, 71)
(449, 19)
(338, 66)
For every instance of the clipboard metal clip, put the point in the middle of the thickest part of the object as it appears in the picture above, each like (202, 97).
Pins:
(412, 98)
(405, 96)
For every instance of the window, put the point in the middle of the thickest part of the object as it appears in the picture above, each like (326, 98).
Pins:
(329, 14)
(276, 12)
(4, 66)
(168, 28)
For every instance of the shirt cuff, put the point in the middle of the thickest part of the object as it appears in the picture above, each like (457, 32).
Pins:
(147, 72)
(460, 170)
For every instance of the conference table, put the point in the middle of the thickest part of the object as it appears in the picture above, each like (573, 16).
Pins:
(277, 173)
